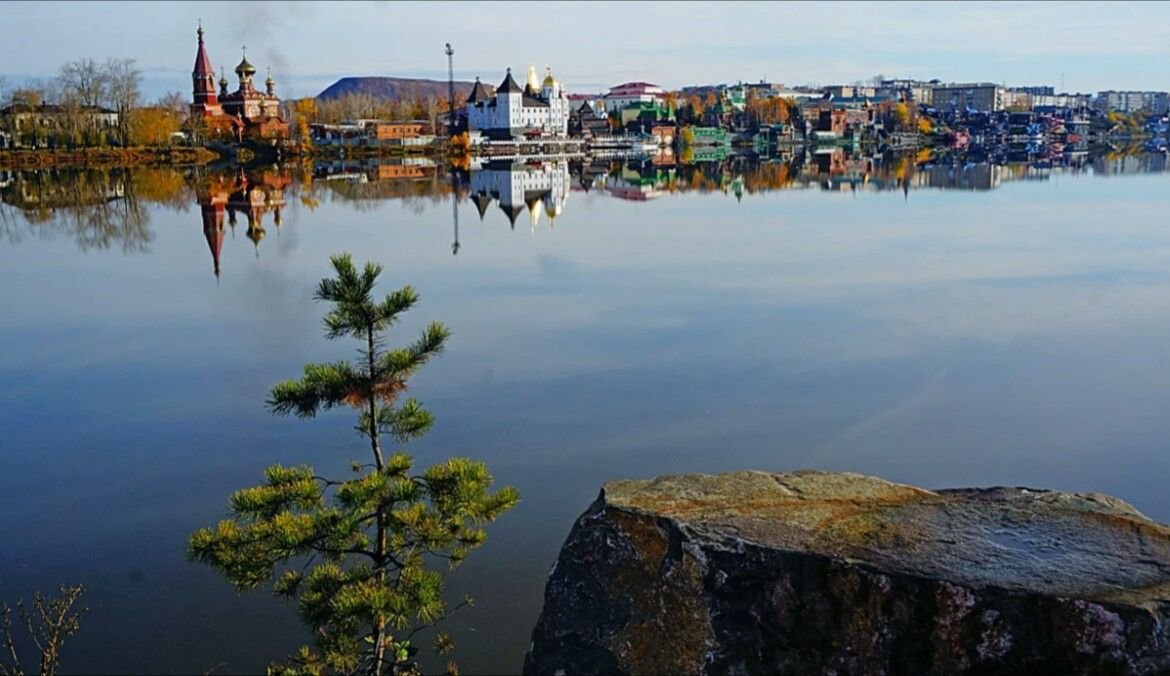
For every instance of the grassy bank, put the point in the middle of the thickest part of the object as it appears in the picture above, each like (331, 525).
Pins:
(103, 157)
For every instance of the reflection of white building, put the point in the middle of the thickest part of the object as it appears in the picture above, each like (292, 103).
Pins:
(516, 186)
(514, 111)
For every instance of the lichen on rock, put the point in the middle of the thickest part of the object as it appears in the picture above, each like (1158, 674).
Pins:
(816, 572)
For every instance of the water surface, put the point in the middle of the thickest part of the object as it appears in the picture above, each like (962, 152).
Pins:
(944, 325)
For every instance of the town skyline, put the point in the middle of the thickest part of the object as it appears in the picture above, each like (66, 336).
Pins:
(1076, 45)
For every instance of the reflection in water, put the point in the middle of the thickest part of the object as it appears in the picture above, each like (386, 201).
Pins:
(252, 194)
(96, 208)
(969, 338)
(103, 208)
(539, 186)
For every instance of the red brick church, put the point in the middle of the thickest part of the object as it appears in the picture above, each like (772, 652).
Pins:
(243, 114)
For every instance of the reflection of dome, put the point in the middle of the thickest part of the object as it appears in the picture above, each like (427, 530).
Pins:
(551, 207)
(532, 83)
(256, 234)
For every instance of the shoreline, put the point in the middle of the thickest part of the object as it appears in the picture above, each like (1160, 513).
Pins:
(105, 157)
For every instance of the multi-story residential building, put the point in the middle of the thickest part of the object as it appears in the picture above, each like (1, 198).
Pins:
(1016, 99)
(1133, 101)
(1036, 90)
(851, 91)
(983, 97)
(904, 89)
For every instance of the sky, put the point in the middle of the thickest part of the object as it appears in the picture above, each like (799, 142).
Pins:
(591, 45)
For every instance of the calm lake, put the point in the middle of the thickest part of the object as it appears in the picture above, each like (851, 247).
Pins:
(944, 325)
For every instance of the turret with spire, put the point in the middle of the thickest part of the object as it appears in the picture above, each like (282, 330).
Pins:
(203, 75)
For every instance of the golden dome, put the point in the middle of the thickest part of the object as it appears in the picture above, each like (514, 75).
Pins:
(549, 81)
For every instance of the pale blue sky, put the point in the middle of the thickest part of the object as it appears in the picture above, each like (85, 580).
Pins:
(590, 46)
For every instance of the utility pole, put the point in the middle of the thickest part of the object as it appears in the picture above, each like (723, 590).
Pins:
(450, 90)
(454, 174)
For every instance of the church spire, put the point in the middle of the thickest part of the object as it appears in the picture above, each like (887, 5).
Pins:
(203, 75)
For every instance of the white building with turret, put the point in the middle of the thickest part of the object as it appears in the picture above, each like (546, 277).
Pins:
(513, 111)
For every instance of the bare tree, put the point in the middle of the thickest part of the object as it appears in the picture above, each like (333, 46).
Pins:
(174, 101)
(49, 622)
(434, 107)
(124, 93)
(85, 79)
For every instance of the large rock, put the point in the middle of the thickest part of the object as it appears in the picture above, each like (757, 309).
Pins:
(822, 573)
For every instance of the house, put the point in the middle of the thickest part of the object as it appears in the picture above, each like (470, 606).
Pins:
(629, 93)
(584, 120)
(48, 125)
(641, 116)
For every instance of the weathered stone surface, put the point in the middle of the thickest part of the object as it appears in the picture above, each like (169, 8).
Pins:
(831, 573)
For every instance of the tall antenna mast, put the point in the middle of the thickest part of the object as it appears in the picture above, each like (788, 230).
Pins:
(450, 90)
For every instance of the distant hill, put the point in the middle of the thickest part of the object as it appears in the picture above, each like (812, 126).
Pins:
(393, 88)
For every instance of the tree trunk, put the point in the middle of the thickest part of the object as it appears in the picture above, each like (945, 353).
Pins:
(379, 623)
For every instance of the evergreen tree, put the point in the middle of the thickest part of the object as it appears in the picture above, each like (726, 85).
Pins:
(358, 555)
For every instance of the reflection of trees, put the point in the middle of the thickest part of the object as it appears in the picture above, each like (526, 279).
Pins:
(97, 209)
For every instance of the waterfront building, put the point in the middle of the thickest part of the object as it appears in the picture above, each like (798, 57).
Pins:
(372, 132)
(244, 113)
(512, 112)
(642, 116)
(41, 126)
(632, 92)
(584, 120)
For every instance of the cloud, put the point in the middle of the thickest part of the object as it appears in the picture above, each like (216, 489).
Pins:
(711, 42)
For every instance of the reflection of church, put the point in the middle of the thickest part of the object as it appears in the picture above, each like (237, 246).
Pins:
(540, 186)
(253, 195)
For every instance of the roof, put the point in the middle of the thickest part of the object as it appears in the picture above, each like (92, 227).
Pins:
(202, 62)
(482, 202)
(509, 86)
(512, 212)
(634, 87)
(478, 93)
(533, 102)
